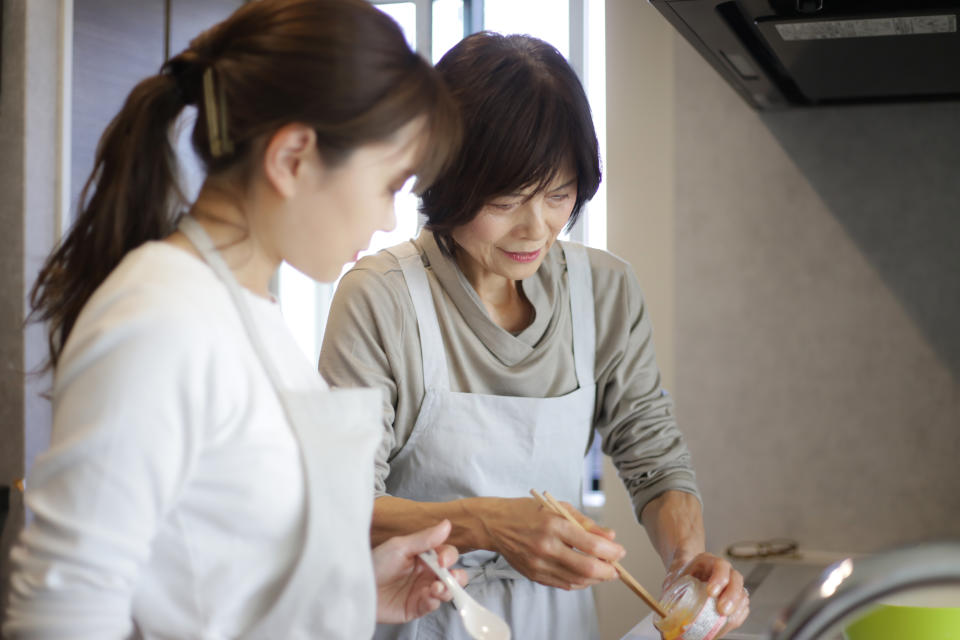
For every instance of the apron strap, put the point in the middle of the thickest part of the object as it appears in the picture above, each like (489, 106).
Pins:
(198, 236)
(288, 601)
(435, 372)
(580, 283)
(487, 566)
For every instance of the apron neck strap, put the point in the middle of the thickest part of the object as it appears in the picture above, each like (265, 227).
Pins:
(435, 372)
(580, 283)
(195, 232)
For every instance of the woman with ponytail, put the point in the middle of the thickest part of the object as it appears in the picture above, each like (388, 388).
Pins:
(202, 480)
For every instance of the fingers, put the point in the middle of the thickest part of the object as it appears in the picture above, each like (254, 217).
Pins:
(568, 557)
(589, 524)
(560, 565)
(723, 582)
(428, 538)
(592, 544)
(441, 593)
(733, 596)
(574, 570)
(409, 546)
(739, 616)
(719, 577)
(433, 593)
(447, 555)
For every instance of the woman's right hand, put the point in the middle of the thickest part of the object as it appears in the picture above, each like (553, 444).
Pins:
(547, 548)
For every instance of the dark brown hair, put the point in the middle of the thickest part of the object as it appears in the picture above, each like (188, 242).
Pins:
(339, 66)
(525, 116)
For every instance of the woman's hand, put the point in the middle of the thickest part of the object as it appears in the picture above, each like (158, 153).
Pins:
(406, 587)
(723, 582)
(547, 548)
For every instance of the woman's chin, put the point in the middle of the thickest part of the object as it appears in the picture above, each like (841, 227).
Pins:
(521, 271)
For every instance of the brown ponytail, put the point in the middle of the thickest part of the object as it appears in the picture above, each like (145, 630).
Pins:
(341, 66)
(132, 183)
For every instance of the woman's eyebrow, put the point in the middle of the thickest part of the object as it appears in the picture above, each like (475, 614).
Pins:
(564, 185)
(530, 194)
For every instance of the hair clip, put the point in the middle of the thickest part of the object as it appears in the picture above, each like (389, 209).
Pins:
(216, 110)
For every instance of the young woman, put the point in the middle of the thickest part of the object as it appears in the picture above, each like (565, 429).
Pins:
(502, 353)
(202, 480)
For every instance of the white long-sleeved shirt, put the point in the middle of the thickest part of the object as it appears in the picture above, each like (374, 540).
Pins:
(172, 494)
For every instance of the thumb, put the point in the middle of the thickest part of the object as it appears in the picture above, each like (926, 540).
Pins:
(420, 541)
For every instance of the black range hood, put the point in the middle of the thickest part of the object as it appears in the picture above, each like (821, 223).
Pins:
(783, 53)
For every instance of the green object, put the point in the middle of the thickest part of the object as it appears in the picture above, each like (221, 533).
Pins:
(890, 622)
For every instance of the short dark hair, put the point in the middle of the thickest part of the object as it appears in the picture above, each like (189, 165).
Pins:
(525, 116)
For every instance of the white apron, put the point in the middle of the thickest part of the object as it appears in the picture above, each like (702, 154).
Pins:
(471, 444)
(330, 592)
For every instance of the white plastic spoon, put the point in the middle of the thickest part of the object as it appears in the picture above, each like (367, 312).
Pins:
(480, 622)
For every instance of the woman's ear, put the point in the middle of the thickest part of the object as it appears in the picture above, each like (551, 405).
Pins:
(288, 152)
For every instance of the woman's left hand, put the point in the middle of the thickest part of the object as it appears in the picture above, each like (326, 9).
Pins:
(723, 582)
(406, 587)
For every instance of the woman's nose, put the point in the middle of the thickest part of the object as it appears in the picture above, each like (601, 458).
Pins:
(533, 212)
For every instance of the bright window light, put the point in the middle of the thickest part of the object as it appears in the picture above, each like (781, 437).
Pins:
(548, 20)
(405, 14)
(447, 26)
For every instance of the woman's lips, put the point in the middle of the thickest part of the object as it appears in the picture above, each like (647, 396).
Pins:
(522, 256)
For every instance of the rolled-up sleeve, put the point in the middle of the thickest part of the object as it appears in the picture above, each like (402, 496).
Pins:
(634, 415)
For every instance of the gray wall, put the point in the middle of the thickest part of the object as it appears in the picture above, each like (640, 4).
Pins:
(818, 315)
(802, 269)
(28, 190)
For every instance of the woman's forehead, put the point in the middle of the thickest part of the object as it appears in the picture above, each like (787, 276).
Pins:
(557, 179)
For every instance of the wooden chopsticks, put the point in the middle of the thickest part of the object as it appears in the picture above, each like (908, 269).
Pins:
(551, 503)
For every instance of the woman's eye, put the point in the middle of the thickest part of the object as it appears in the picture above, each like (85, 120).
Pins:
(502, 206)
(559, 197)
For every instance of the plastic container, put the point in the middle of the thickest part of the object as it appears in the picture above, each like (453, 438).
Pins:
(691, 612)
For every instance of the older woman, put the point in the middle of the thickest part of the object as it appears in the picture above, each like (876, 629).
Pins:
(502, 353)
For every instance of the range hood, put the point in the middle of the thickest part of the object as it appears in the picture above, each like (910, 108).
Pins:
(784, 53)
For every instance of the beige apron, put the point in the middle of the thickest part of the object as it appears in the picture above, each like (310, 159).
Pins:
(471, 444)
(330, 593)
